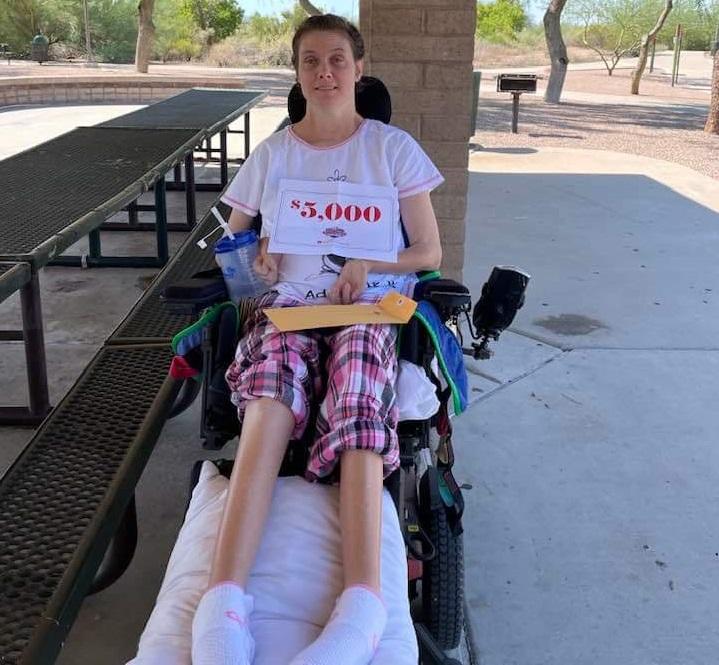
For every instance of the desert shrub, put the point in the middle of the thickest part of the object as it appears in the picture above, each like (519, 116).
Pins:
(245, 50)
(500, 21)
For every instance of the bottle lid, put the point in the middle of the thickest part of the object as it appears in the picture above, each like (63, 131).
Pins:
(241, 239)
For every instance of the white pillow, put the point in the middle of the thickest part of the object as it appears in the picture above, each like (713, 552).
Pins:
(295, 580)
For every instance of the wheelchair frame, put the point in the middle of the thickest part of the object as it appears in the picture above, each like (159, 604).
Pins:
(434, 544)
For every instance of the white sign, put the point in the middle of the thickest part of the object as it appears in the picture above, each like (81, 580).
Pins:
(354, 221)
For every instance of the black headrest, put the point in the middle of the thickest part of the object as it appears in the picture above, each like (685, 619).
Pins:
(371, 97)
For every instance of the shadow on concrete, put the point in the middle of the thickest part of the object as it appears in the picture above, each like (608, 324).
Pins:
(508, 151)
(616, 261)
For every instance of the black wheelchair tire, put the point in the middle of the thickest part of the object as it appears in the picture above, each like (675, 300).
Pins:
(443, 582)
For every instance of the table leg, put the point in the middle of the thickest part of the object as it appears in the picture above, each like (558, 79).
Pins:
(190, 189)
(247, 134)
(35, 363)
(223, 157)
(95, 245)
(132, 217)
(161, 221)
(35, 347)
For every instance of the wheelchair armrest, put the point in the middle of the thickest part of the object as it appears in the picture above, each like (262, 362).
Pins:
(448, 296)
(191, 296)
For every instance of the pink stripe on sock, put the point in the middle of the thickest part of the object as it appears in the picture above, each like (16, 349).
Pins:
(233, 616)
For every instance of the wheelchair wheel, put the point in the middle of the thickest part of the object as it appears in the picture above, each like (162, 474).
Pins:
(443, 582)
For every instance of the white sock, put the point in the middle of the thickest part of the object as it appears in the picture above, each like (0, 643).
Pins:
(352, 633)
(221, 627)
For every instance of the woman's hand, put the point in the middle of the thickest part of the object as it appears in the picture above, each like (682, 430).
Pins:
(351, 283)
(266, 265)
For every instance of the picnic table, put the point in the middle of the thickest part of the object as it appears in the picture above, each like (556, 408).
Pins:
(62, 190)
(68, 524)
(210, 110)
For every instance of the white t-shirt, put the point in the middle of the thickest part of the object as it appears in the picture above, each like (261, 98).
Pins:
(375, 154)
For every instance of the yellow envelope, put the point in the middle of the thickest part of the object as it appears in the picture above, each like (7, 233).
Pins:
(393, 308)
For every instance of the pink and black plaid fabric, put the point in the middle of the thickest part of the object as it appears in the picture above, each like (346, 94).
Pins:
(357, 383)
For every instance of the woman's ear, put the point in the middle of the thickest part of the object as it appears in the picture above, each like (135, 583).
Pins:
(359, 69)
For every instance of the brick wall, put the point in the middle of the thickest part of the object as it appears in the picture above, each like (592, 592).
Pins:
(422, 50)
(141, 89)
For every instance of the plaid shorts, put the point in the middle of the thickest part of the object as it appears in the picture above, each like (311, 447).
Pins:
(352, 368)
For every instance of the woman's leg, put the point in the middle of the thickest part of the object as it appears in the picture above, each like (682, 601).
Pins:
(360, 430)
(361, 517)
(270, 381)
(266, 430)
(220, 628)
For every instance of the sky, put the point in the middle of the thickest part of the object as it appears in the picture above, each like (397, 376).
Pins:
(344, 7)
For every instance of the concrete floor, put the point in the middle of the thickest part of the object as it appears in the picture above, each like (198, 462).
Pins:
(591, 531)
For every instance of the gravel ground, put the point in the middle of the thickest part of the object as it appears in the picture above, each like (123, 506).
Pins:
(658, 84)
(671, 131)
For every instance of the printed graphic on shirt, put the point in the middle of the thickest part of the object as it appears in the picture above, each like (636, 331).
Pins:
(336, 177)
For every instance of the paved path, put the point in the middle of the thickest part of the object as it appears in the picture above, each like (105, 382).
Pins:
(591, 534)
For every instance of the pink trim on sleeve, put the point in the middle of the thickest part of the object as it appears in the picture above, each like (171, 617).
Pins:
(428, 185)
(238, 204)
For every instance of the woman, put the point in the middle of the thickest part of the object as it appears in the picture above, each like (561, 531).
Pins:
(276, 375)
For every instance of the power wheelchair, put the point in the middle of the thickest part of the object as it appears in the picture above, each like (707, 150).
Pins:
(427, 497)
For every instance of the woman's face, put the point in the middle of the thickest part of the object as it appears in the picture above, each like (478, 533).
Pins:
(327, 70)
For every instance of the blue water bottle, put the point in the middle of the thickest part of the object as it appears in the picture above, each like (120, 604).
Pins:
(235, 257)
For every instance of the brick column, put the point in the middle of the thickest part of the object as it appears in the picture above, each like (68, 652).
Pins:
(423, 50)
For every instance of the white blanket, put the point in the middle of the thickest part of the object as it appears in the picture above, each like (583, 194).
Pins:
(295, 580)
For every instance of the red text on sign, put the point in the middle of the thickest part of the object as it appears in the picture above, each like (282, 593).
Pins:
(334, 212)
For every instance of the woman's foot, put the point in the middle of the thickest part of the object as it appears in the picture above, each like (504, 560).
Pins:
(353, 632)
(221, 627)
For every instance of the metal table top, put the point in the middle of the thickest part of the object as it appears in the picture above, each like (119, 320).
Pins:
(57, 192)
(210, 109)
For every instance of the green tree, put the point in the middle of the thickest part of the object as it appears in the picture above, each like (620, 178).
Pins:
(177, 36)
(21, 20)
(699, 20)
(557, 50)
(271, 28)
(500, 21)
(614, 28)
(217, 19)
(113, 29)
(647, 39)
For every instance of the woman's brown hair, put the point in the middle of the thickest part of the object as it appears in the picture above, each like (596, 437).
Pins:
(327, 23)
